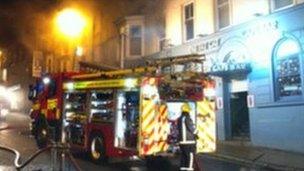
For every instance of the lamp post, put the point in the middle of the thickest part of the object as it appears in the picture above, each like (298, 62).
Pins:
(71, 24)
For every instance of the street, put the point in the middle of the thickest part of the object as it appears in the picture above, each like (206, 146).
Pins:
(18, 136)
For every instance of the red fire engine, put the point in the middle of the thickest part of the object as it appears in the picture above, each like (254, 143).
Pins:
(121, 113)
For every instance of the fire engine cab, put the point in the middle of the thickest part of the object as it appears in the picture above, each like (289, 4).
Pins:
(123, 112)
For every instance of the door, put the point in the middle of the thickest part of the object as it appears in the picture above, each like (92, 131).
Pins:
(239, 115)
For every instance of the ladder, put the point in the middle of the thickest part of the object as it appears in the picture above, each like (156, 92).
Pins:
(154, 66)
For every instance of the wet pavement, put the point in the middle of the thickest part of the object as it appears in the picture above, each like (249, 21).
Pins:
(18, 136)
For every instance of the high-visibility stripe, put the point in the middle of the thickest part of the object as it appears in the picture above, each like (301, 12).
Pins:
(206, 127)
(151, 120)
(161, 128)
(186, 168)
(147, 126)
(187, 142)
(191, 161)
(184, 137)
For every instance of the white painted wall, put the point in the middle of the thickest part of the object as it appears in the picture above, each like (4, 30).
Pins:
(203, 19)
(205, 16)
(245, 10)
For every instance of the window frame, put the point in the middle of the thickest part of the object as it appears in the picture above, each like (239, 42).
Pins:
(274, 62)
(184, 20)
(217, 7)
(130, 38)
(272, 5)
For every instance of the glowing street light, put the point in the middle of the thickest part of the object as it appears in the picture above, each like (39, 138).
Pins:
(70, 22)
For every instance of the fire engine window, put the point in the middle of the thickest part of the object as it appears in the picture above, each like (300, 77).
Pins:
(102, 105)
(75, 105)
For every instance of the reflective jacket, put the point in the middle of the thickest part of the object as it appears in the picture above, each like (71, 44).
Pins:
(186, 129)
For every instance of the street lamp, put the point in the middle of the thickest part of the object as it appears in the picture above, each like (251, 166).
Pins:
(71, 24)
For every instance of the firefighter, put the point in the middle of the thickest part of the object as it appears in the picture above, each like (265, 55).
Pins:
(187, 136)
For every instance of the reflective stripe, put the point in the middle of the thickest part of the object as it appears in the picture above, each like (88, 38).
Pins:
(187, 142)
(186, 168)
(191, 161)
(184, 130)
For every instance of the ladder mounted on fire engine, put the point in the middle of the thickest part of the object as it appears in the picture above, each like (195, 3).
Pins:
(154, 66)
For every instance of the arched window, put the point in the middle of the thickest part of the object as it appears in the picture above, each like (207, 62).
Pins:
(287, 70)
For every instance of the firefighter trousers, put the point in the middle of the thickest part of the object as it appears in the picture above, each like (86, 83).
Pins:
(187, 157)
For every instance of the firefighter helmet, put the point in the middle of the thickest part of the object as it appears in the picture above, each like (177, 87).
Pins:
(186, 108)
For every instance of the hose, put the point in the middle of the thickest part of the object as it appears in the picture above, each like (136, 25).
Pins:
(19, 166)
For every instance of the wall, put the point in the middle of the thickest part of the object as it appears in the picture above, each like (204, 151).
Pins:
(245, 10)
(273, 124)
(277, 124)
(203, 19)
(106, 30)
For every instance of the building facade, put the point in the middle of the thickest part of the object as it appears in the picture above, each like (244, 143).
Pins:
(113, 35)
(123, 35)
(254, 51)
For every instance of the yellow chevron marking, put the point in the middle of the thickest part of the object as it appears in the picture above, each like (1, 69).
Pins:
(148, 119)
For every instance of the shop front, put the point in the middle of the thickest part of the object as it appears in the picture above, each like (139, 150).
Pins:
(259, 69)
(232, 66)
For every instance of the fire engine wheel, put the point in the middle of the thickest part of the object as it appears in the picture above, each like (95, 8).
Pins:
(41, 136)
(97, 149)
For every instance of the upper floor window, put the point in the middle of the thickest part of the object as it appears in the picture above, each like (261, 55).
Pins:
(223, 13)
(135, 40)
(287, 70)
(189, 21)
(132, 37)
(279, 4)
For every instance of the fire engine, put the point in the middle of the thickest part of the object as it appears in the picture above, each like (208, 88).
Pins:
(123, 112)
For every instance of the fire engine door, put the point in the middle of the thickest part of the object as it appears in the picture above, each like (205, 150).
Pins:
(75, 114)
(126, 123)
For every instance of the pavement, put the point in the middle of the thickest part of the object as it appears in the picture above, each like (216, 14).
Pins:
(3, 125)
(272, 159)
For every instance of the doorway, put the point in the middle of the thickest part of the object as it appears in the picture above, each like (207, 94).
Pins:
(239, 115)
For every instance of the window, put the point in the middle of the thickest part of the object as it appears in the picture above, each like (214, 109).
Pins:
(287, 70)
(189, 21)
(132, 37)
(279, 4)
(223, 15)
(135, 40)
